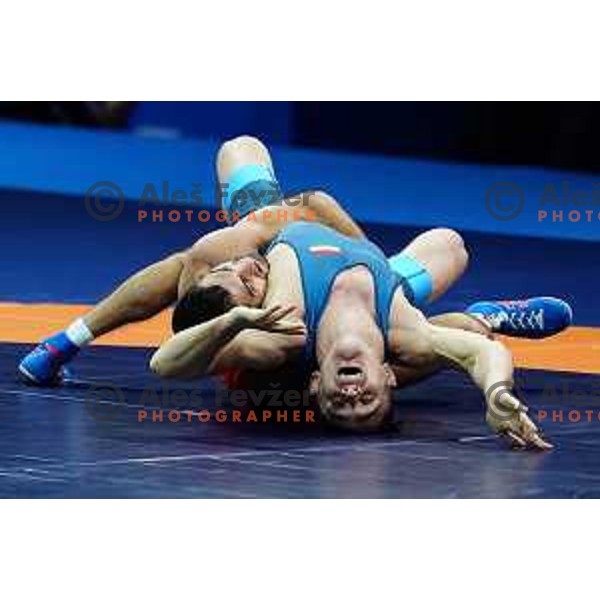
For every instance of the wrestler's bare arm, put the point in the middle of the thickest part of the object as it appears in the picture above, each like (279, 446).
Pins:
(231, 340)
(418, 343)
(247, 236)
(488, 363)
(330, 212)
(408, 374)
(260, 351)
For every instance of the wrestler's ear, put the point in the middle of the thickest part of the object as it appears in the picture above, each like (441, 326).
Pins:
(314, 383)
(390, 375)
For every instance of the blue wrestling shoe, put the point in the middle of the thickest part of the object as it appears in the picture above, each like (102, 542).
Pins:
(44, 365)
(533, 318)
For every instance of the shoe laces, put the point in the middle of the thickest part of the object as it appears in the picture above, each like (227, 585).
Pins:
(518, 319)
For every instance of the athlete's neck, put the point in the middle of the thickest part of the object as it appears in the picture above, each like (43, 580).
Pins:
(348, 328)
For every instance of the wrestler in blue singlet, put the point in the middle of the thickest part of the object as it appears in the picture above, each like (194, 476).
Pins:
(322, 255)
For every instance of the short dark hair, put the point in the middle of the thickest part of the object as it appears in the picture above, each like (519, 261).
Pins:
(200, 304)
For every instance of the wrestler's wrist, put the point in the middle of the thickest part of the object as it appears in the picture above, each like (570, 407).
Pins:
(495, 392)
(237, 319)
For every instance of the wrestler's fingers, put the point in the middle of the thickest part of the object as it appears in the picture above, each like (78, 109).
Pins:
(531, 435)
(269, 312)
(527, 427)
(276, 313)
(269, 316)
(288, 327)
(283, 312)
(278, 324)
(514, 438)
(538, 442)
(288, 330)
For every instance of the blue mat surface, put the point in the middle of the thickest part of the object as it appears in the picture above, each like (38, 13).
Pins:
(52, 446)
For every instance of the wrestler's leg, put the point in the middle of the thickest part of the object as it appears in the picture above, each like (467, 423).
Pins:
(463, 321)
(240, 152)
(436, 259)
(143, 295)
(431, 263)
(246, 176)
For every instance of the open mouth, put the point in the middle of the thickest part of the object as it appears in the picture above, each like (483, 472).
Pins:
(350, 376)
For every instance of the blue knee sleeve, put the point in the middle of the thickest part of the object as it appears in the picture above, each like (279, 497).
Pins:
(415, 275)
(250, 188)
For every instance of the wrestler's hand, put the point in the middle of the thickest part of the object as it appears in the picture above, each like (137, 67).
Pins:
(268, 319)
(508, 417)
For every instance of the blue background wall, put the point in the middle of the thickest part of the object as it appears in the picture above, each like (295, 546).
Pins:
(217, 120)
(375, 189)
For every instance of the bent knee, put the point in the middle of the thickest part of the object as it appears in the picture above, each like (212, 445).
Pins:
(455, 244)
(242, 143)
(450, 236)
(321, 195)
